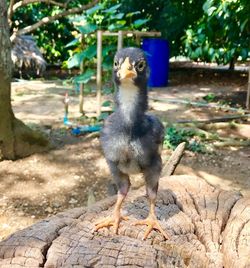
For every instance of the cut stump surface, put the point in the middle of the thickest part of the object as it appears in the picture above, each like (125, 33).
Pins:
(209, 227)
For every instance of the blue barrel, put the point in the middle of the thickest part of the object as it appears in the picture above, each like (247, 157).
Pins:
(157, 53)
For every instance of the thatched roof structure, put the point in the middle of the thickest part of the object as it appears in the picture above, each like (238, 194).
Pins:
(26, 56)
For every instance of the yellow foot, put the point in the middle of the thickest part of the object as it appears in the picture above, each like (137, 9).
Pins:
(110, 221)
(152, 224)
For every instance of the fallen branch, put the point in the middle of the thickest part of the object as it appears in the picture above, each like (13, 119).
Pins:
(217, 140)
(232, 142)
(218, 125)
(174, 160)
(198, 104)
(215, 119)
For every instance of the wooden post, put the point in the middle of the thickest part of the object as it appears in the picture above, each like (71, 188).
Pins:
(248, 90)
(138, 40)
(120, 40)
(81, 85)
(99, 72)
(81, 98)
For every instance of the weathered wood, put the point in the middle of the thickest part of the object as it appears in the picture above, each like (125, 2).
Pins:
(174, 160)
(232, 142)
(120, 40)
(209, 227)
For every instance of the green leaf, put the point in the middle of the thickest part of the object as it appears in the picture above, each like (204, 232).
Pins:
(103, 116)
(206, 5)
(108, 90)
(85, 77)
(112, 9)
(87, 28)
(138, 23)
(76, 59)
(94, 9)
(211, 10)
(117, 25)
(107, 49)
(211, 51)
(73, 42)
(244, 53)
(90, 52)
(117, 16)
(130, 14)
(107, 66)
(107, 103)
(242, 26)
(80, 18)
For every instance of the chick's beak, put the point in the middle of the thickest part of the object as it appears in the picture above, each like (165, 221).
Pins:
(126, 70)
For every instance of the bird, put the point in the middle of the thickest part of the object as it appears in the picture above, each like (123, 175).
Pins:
(131, 138)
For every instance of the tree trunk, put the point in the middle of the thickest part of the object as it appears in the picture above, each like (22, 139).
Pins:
(248, 90)
(232, 64)
(208, 227)
(16, 140)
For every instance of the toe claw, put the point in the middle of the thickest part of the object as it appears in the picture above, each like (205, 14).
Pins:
(105, 223)
(125, 218)
(147, 232)
(151, 224)
(114, 221)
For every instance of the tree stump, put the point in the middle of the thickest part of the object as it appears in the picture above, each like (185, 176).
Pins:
(209, 227)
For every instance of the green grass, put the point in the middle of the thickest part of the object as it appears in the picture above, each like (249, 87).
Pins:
(174, 136)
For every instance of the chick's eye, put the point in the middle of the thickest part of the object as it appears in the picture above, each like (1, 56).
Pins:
(116, 64)
(141, 65)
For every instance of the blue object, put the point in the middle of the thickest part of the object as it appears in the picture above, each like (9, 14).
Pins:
(78, 130)
(66, 121)
(157, 53)
(83, 129)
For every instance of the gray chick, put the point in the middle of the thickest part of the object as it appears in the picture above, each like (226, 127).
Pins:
(132, 139)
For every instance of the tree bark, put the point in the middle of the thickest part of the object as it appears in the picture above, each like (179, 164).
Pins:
(232, 64)
(248, 91)
(16, 139)
(208, 227)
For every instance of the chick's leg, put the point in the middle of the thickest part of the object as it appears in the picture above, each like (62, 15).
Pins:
(123, 184)
(152, 177)
(152, 222)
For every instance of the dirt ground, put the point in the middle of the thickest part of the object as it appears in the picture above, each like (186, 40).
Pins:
(75, 174)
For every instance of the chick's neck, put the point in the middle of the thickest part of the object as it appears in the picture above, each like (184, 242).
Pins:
(132, 103)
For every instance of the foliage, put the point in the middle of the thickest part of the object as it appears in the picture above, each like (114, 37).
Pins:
(174, 136)
(222, 34)
(211, 31)
(169, 17)
(210, 97)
